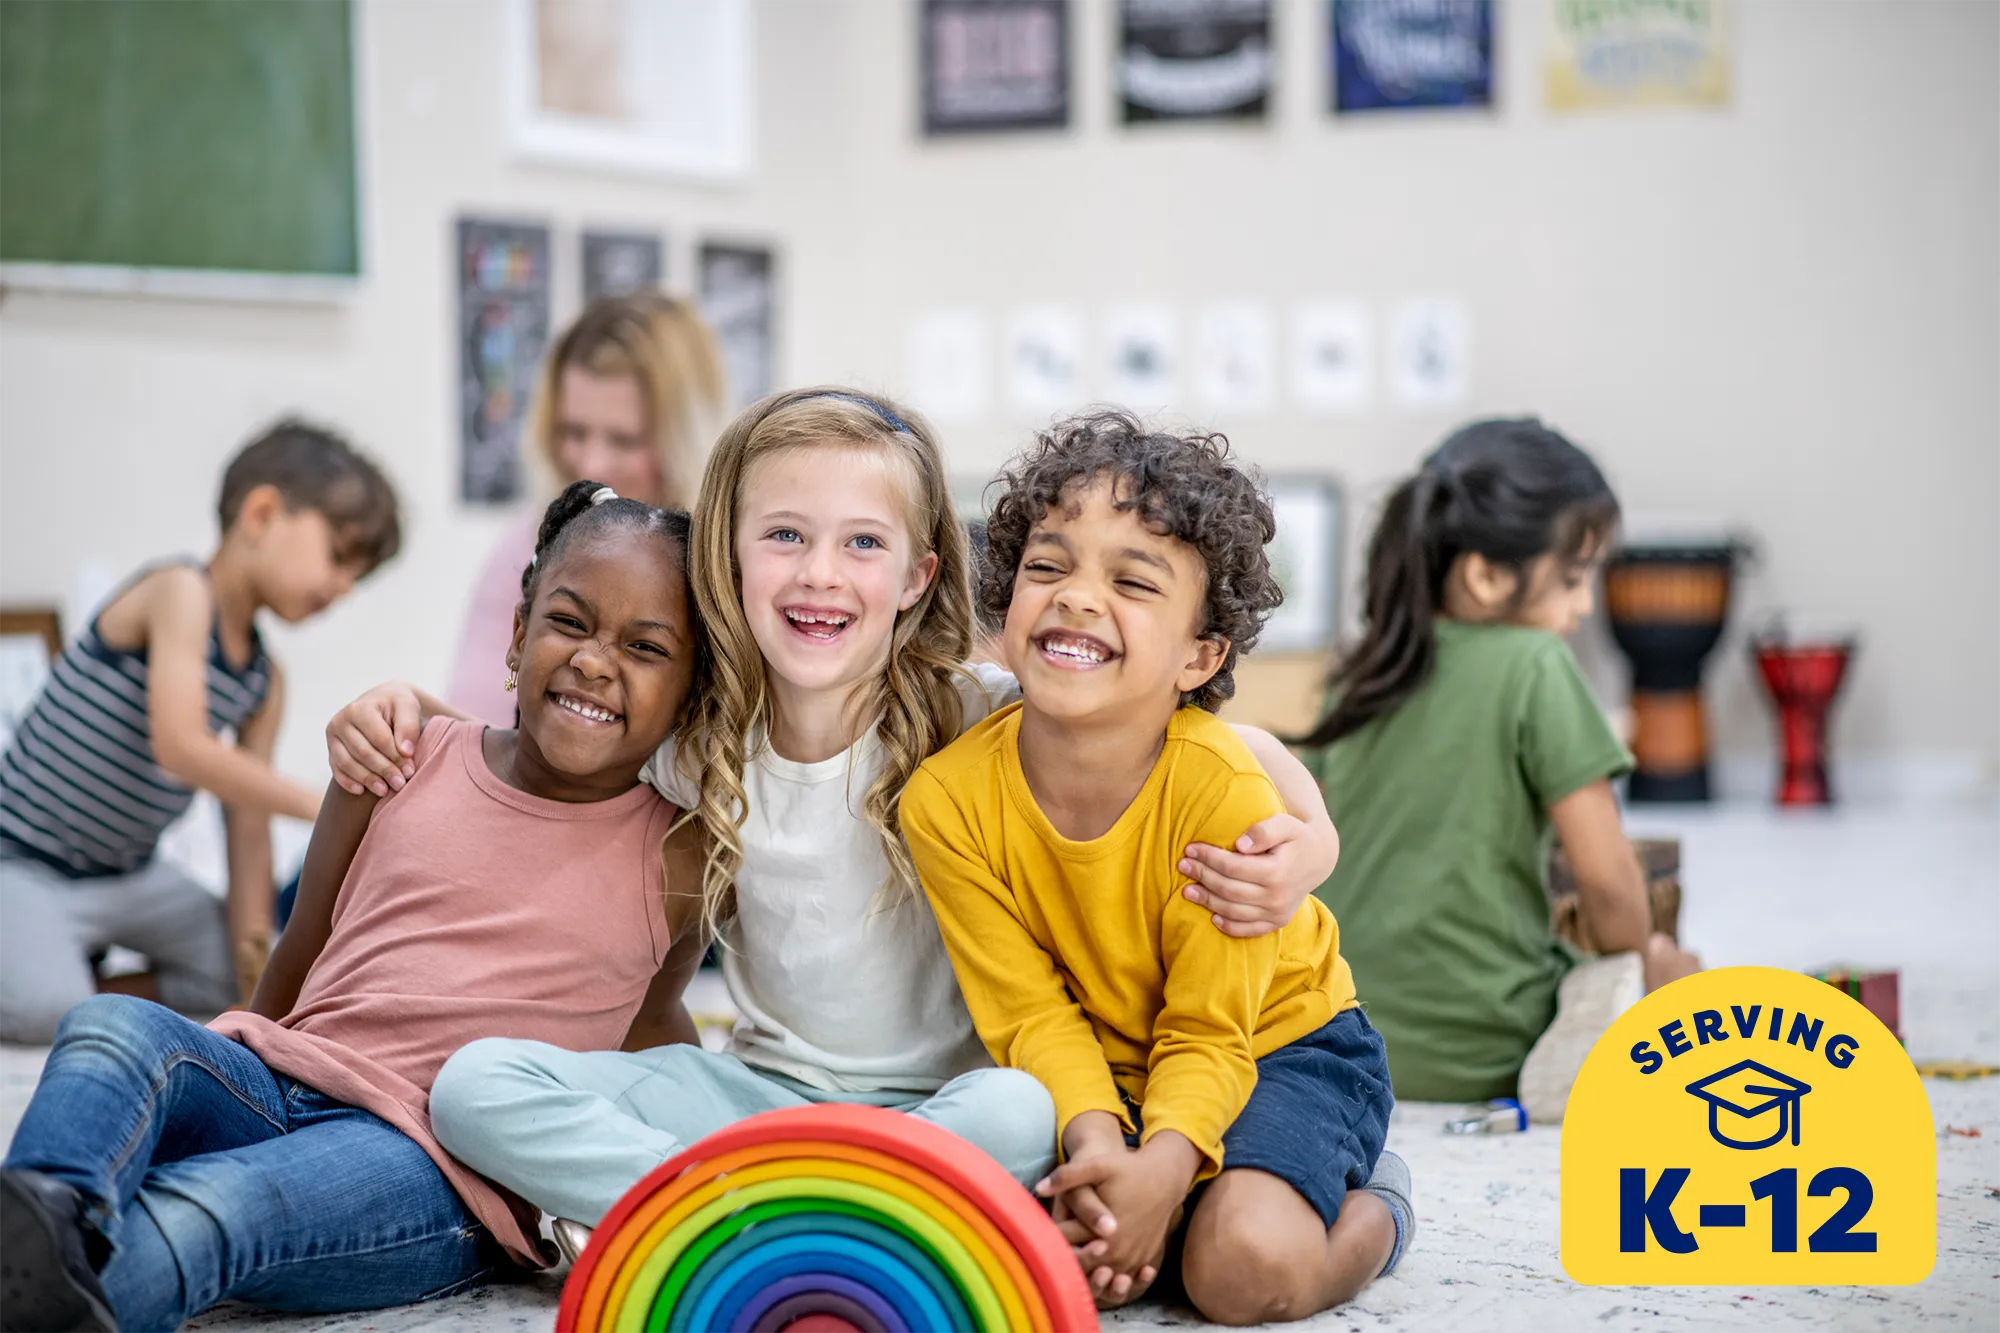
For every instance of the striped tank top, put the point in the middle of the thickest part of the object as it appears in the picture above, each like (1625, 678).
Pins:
(79, 790)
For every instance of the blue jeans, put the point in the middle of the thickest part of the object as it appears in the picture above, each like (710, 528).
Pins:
(213, 1178)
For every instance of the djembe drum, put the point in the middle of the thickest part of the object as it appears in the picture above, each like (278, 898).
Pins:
(1803, 676)
(1666, 605)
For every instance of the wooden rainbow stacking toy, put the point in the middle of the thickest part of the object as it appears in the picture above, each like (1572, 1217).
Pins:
(826, 1219)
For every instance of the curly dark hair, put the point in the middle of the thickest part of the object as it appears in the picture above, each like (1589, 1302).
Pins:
(1183, 486)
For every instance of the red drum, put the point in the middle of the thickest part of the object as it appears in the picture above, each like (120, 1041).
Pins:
(1667, 605)
(1803, 676)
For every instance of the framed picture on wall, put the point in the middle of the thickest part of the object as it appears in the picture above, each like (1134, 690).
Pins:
(995, 65)
(738, 298)
(1414, 53)
(619, 263)
(503, 325)
(1194, 59)
(1305, 559)
(659, 89)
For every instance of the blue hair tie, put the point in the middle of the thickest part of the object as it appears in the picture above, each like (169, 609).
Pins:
(883, 414)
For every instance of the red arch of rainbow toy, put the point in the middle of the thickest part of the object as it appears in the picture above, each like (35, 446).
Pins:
(872, 1217)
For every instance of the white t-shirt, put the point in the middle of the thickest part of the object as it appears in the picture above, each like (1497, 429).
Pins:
(831, 992)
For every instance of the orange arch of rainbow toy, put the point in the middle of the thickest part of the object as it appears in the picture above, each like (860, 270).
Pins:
(828, 1218)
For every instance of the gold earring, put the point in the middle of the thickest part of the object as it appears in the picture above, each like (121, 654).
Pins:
(510, 682)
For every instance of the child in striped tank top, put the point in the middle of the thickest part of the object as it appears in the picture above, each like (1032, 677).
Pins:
(168, 691)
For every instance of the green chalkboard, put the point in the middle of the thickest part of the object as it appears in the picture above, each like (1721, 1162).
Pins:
(194, 135)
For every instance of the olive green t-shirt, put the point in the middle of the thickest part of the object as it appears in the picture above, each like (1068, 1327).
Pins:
(1442, 808)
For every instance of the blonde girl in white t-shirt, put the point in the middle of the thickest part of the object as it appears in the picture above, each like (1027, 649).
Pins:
(833, 583)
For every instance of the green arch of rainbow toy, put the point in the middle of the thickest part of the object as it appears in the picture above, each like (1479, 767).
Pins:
(826, 1219)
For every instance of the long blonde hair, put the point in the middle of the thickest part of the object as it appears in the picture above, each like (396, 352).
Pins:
(664, 345)
(915, 702)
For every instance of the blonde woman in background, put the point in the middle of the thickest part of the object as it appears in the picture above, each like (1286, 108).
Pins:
(630, 395)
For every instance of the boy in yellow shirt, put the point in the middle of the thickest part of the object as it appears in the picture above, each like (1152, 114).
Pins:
(1228, 1083)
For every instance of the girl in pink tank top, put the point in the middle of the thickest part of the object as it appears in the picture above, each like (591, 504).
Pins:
(512, 887)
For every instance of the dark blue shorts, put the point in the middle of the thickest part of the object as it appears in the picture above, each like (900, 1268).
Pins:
(1318, 1116)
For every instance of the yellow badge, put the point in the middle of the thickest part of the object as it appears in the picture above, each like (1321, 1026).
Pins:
(1748, 1127)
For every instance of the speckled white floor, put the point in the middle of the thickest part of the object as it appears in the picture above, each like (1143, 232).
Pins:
(1916, 889)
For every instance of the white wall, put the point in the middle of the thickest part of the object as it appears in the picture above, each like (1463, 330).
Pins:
(1785, 313)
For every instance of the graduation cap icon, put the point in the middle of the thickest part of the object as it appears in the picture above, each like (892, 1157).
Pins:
(1741, 1096)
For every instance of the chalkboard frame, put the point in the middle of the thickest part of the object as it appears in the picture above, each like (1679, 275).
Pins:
(218, 284)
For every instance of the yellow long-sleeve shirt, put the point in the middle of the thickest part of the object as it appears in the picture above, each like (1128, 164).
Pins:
(1081, 962)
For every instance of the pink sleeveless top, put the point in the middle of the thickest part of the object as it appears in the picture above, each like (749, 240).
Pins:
(473, 910)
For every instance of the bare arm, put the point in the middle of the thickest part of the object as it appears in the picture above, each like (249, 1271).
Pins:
(177, 608)
(336, 837)
(370, 742)
(663, 1019)
(248, 833)
(1610, 886)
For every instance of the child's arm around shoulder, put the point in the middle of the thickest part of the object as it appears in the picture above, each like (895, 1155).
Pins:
(370, 743)
(336, 837)
(175, 609)
(663, 1018)
(1254, 880)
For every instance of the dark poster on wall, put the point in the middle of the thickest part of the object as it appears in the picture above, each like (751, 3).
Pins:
(503, 325)
(995, 65)
(1194, 59)
(738, 298)
(1392, 54)
(620, 263)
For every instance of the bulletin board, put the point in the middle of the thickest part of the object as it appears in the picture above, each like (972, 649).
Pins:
(199, 146)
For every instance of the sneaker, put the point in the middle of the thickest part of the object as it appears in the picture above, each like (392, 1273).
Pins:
(1589, 1001)
(46, 1281)
(571, 1237)
(1391, 1184)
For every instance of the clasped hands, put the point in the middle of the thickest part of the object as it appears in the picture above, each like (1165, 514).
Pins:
(1117, 1205)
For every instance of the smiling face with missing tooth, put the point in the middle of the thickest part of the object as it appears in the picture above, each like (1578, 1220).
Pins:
(1105, 611)
(827, 561)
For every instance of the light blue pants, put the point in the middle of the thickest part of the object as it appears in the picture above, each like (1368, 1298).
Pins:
(571, 1131)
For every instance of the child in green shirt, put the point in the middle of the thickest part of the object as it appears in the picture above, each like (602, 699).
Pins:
(1461, 731)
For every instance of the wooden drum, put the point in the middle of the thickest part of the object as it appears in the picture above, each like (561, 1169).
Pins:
(1667, 605)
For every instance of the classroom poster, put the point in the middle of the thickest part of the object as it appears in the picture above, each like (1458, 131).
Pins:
(1396, 54)
(1045, 358)
(739, 300)
(1430, 353)
(995, 64)
(1140, 364)
(1194, 59)
(1332, 369)
(1619, 53)
(503, 325)
(948, 377)
(619, 263)
(1235, 356)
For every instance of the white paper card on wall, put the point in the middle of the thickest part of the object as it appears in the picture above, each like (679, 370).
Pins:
(1234, 358)
(1430, 356)
(1140, 356)
(948, 371)
(1045, 358)
(1332, 356)
(633, 86)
